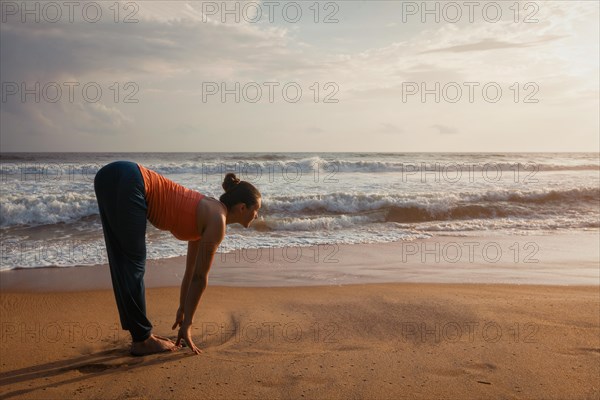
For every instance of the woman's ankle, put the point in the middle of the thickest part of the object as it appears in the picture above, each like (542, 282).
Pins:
(142, 340)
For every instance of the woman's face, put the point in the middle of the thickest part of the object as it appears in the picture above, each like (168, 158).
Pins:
(249, 214)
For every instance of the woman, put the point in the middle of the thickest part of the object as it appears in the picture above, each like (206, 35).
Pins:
(127, 195)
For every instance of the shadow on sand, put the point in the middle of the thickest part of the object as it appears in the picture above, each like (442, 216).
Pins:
(90, 366)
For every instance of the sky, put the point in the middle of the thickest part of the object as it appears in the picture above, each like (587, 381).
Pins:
(304, 76)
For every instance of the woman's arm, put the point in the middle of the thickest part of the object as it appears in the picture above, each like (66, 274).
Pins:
(207, 247)
(190, 265)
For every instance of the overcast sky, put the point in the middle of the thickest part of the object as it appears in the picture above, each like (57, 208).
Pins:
(506, 78)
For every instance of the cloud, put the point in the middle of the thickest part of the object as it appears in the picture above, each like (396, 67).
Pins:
(170, 52)
(389, 128)
(444, 130)
(149, 48)
(491, 44)
(186, 129)
(165, 59)
(314, 130)
(102, 118)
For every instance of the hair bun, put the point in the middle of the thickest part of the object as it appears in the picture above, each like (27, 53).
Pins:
(230, 181)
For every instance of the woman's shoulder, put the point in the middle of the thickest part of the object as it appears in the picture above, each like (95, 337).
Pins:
(210, 210)
(213, 204)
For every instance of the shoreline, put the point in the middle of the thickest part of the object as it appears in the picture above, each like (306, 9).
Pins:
(556, 259)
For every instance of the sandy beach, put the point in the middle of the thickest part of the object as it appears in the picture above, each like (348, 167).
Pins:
(380, 341)
(330, 341)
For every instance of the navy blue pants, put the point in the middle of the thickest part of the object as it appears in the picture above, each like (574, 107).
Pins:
(120, 192)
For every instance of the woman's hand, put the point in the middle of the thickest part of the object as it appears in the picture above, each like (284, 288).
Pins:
(178, 318)
(185, 334)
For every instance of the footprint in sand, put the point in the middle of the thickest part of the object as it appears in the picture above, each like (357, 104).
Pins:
(579, 351)
(592, 350)
(92, 368)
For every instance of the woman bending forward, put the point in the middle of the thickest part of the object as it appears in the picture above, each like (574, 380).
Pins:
(128, 194)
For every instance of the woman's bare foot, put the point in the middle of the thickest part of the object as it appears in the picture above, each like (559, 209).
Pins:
(164, 338)
(151, 345)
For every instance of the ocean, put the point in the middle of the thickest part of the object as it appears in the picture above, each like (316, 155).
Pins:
(49, 215)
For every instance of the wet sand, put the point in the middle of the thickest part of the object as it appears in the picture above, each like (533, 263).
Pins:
(557, 259)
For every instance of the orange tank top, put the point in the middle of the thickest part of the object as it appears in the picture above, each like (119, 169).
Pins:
(171, 206)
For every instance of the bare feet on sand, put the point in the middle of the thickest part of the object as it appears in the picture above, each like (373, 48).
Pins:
(154, 344)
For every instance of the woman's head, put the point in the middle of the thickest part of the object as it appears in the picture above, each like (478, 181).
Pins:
(241, 196)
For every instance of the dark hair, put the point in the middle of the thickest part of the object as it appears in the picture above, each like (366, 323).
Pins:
(237, 191)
